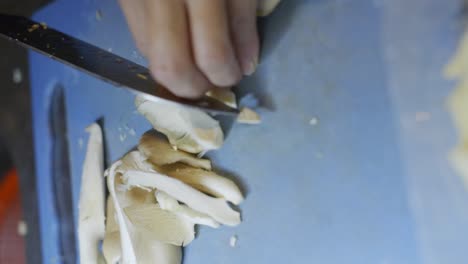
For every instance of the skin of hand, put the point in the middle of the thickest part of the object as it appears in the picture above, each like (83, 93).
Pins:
(195, 45)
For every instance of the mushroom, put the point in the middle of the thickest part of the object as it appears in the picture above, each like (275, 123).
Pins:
(205, 181)
(162, 225)
(248, 116)
(91, 217)
(137, 245)
(188, 129)
(160, 152)
(167, 202)
(217, 208)
(225, 96)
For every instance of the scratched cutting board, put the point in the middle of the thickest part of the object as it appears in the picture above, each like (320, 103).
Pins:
(367, 184)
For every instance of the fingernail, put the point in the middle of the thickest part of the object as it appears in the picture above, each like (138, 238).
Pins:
(252, 66)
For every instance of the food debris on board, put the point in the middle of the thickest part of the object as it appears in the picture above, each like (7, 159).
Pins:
(457, 69)
(248, 116)
(314, 121)
(233, 241)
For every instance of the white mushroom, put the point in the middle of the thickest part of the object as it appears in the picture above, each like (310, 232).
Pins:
(160, 152)
(217, 208)
(111, 244)
(167, 202)
(91, 227)
(225, 96)
(135, 160)
(162, 225)
(188, 129)
(205, 181)
(125, 229)
(248, 116)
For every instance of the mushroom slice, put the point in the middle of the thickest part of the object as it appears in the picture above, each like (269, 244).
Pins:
(163, 225)
(266, 7)
(167, 202)
(91, 229)
(225, 96)
(188, 129)
(205, 181)
(248, 116)
(125, 228)
(150, 250)
(111, 244)
(135, 160)
(217, 208)
(160, 152)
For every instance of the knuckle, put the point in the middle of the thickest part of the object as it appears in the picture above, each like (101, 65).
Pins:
(178, 78)
(219, 65)
(215, 58)
(169, 71)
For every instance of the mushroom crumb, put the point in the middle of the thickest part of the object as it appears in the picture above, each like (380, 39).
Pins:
(314, 121)
(248, 116)
(233, 241)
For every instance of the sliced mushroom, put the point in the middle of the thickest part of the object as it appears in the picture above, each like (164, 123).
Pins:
(160, 152)
(91, 228)
(188, 129)
(135, 160)
(125, 228)
(225, 96)
(167, 202)
(151, 251)
(162, 225)
(111, 244)
(248, 116)
(205, 181)
(217, 208)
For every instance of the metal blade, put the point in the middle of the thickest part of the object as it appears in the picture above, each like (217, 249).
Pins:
(96, 61)
(61, 177)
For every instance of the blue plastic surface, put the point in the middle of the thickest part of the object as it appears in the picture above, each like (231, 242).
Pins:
(367, 184)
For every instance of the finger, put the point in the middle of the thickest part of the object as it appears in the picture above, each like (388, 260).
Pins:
(169, 52)
(211, 42)
(134, 14)
(243, 23)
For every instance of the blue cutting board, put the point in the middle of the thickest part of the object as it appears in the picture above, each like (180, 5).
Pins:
(367, 184)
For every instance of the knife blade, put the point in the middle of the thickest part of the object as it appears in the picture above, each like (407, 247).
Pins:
(97, 62)
(61, 177)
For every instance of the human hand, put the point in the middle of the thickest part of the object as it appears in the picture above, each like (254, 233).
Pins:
(195, 45)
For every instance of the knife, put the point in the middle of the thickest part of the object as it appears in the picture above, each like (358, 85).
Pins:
(61, 177)
(97, 62)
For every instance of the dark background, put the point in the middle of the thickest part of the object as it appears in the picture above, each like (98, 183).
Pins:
(16, 145)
